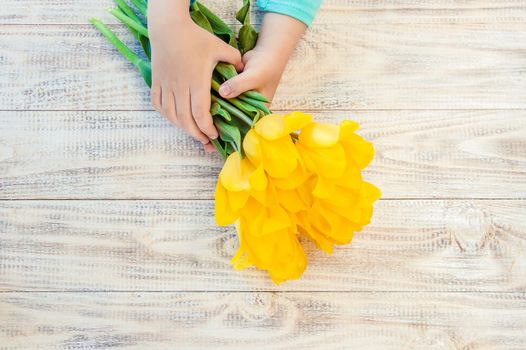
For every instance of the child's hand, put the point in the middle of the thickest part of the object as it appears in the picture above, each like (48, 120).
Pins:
(183, 59)
(265, 64)
(261, 73)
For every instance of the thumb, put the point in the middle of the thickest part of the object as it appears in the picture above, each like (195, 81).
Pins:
(235, 86)
(229, 54)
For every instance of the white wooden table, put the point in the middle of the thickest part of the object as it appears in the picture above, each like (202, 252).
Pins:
(107, 236)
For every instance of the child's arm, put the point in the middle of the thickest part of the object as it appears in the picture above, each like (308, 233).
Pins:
(183, 59)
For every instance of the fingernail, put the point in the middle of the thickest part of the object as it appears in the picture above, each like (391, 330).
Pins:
(213, 136)
(224, 90)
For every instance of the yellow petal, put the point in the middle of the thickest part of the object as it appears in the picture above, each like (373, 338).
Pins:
(372, 192)
(280, 157)
(237, 199)
(357, 149)
(252, 147)
(351, 178)
(348, 127)
(260, 196)
(224, 214)
(296, 120)
(329, 162)
(258, 179)
(291, 200)
(293, 180)
(321, 241)
(271, 127)
(290, 260)
(277, 220)
(236, 173)
(319, 135)
(323, 188)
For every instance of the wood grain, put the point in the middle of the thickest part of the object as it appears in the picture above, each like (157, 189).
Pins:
(337, 66)
(342, 11)
(263, 320)
(110, 240)
(129, 155)
(175, 246)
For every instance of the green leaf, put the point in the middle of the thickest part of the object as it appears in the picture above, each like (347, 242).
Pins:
(220, 148)
(228, 133)
(145, 44)
(243, 15)
(230, 148)
(220, 28)
(248, 36)
(217, 110)
(200, 19)
(145, 68)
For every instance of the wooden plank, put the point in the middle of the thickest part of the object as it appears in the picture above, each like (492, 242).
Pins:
(411, 245)
(338, 66)
(344, 11)
(420, 154)
(263, 320)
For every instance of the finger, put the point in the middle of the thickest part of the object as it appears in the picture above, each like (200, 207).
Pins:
(237, 85)
(155, 96)
(168, 105)
(229, 54)
(184, 115)
(200, 103)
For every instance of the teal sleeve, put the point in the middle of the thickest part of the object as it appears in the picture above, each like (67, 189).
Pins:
(303, 10)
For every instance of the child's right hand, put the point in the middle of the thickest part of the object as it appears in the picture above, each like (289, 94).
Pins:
(183, 59)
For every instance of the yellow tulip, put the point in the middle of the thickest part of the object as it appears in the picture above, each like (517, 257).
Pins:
(342, 201)
(288, 185)
(268, 241)
(269, 143)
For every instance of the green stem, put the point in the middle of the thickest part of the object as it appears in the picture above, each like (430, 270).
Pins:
(256, 96)
(141, 6)
(127, 10)
(226, 70)
(255, 103)
(128, 21)
(119, 45)
(242, 105)
(232, 110)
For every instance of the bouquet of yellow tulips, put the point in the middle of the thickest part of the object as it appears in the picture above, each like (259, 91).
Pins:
(285, 176)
